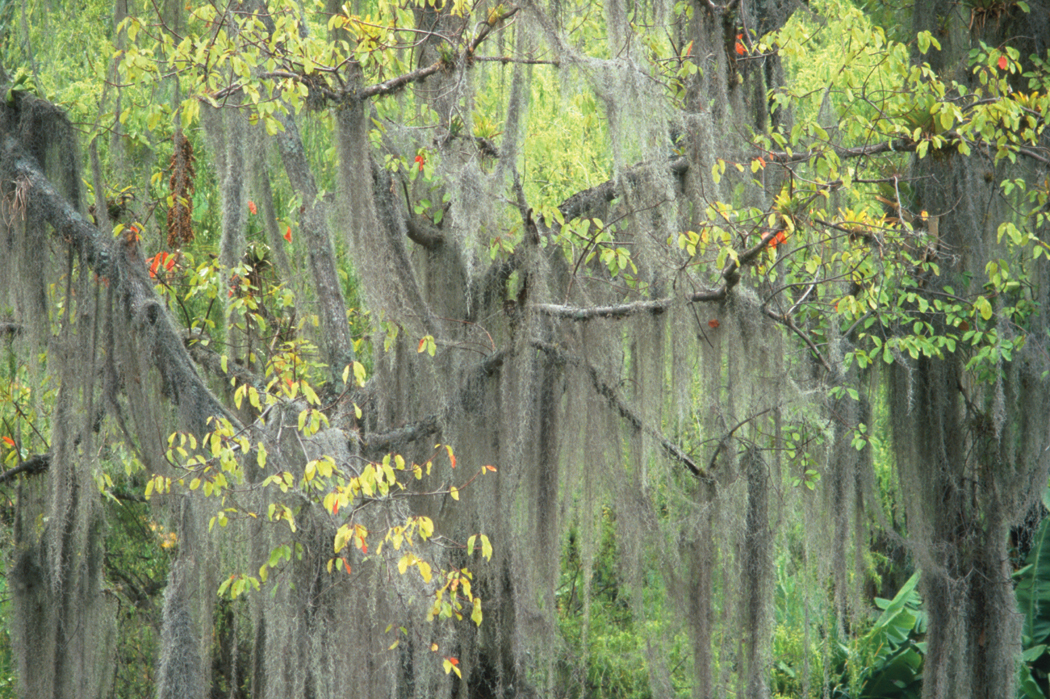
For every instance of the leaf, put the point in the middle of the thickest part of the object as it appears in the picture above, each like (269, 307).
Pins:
(454, 492)
(252, 208)
(475, 615)
(984, 307)
(288, 234)
(1033, 588)
(451, 456)
(1002, 63)
(10, 442)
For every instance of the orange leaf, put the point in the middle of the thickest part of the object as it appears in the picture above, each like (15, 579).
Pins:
(491, 468)
(251, 207)
(1002, 62)
(740, 50)
(10, 442)
(451, 456)
(347, 566)
(422, 344)
(288, 234)
(713, 323)
(454, 661)
(153, 267)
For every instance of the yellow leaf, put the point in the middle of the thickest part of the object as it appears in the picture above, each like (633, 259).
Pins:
(475, 616)
(486, 548)
(454, 492)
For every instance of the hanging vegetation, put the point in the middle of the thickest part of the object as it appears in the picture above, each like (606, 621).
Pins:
(497, 350)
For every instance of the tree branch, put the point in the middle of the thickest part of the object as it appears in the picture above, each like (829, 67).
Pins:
(394, 84)
(622, 407)
(730, 276)
(34, 465)
(119, 263)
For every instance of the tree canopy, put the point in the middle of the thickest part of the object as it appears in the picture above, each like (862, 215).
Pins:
(574, 349)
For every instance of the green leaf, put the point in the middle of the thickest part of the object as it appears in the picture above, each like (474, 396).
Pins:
(1033, 588)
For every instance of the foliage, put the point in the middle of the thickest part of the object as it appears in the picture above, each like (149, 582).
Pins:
(666, 295)
(887, 660)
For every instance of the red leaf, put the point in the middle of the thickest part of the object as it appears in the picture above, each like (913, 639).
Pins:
(288, 234)
(347, 566)
(10, 442)
(740, 50)
(153, 267)
(713, 323)
(422, 344)
(420, 160)
(1002, 62)
(169, 261)
(251, 207)
(454, 661)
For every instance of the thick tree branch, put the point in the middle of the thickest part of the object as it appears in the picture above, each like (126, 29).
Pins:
(586, 200)
(34, 465)
(423, 234)
(379, 442)
(119, 263)
(376, 443)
